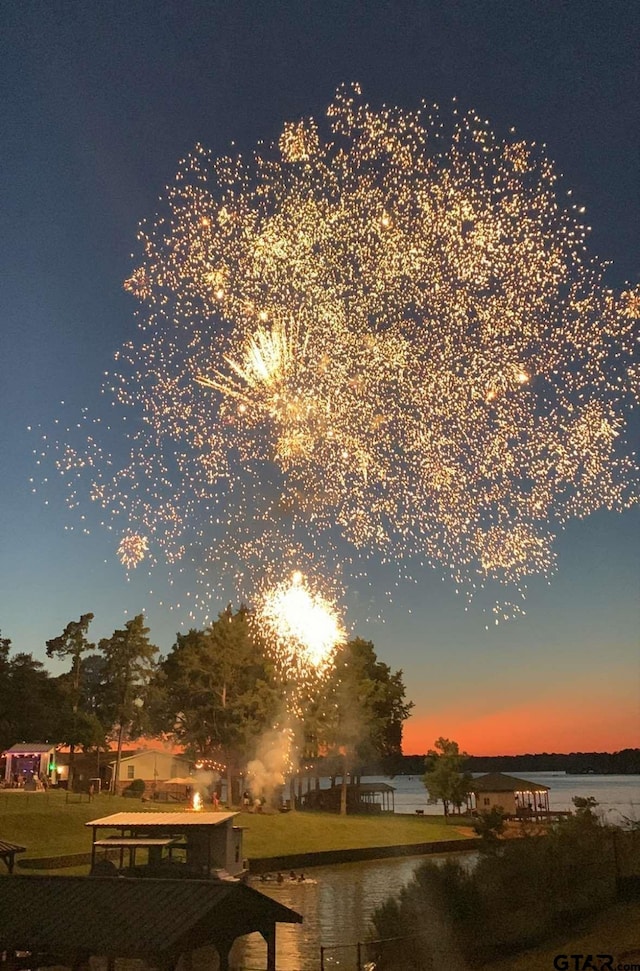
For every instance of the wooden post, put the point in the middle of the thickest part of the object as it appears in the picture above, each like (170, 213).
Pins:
(270, 938)
(223, 948)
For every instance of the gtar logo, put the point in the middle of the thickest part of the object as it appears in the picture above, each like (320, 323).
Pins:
(583, 962)
(596, 962)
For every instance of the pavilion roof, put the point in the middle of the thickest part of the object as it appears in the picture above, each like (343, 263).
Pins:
(29, 748)
(499, 782)
(376, 787)
(64, 916)
(163, 821)
(6, 847)
(111, 758)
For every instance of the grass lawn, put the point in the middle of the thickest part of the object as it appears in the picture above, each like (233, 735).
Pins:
(614, 931)
(283, 833)
(48, 825)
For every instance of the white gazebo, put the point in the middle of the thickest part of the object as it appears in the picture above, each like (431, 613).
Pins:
(29, 762)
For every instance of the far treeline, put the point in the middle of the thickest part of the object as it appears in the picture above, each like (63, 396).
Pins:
(625, 762)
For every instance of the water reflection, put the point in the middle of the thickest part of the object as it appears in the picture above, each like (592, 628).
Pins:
(337, 903)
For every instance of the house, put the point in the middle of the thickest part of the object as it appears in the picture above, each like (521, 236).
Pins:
(65, 921)
(516, 797)
(155, 768)
(193, 845)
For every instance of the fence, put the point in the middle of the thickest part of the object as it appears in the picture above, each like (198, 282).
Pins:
(367, 955)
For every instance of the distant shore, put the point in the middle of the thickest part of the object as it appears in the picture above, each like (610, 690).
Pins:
(624, 762)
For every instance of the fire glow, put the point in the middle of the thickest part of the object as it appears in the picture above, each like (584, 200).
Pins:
(196, 803)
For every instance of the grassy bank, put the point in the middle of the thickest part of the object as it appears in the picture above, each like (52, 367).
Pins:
(614, 931)
(49, 825)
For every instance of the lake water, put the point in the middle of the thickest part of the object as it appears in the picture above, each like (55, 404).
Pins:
(616, 794)
(338, 904)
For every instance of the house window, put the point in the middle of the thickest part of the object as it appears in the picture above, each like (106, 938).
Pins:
(130, 771)
(487, 801)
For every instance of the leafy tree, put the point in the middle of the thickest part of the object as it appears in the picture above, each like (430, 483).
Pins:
(29, 699)
(445, 779)
(72, 644)
(364, 710)
(128, 670)
(218, 693)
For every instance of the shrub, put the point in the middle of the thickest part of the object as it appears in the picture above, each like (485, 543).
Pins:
(136, 789)
(490, 824)
(516, 895)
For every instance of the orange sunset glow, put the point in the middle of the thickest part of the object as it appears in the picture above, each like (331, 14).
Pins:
(555, 722)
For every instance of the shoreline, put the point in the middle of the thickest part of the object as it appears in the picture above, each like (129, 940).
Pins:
(360, 854)
(313, 858)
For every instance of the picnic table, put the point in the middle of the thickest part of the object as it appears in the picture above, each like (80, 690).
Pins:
(8, 853)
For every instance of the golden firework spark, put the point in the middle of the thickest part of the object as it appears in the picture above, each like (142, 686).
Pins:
(405, 348)
(132, 550)
(301, 627)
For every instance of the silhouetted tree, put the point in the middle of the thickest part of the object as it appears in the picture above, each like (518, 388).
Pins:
(364, 709)
(445, 778)
(218, 693)
(129, 667)
(72, 644)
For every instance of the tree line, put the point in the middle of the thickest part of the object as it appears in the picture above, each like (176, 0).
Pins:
(216, 693)
(624, 762)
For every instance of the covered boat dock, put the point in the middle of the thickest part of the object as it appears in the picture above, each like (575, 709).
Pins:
(65, 921)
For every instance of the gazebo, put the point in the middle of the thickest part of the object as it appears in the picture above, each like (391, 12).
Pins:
(362, 797)
(517, 797)
(29, 761)
(64, 921)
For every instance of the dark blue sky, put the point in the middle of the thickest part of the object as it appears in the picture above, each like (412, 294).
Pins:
(101, 100)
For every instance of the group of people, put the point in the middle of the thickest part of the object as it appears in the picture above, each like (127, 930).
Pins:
(279, 878)
(254, 805)
(31, 783)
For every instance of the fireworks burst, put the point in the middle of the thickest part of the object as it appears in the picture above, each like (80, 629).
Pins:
(389, 341)
(132, 550)
(301, 628)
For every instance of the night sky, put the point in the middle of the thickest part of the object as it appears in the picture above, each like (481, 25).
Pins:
(99, 103)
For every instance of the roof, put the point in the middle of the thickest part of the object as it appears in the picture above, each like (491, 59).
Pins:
(29, 748)
(147, 751)
(6, 847)
(130, 841)
(142, 820)
(66, 915)
(499, 782)
(366, 787)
